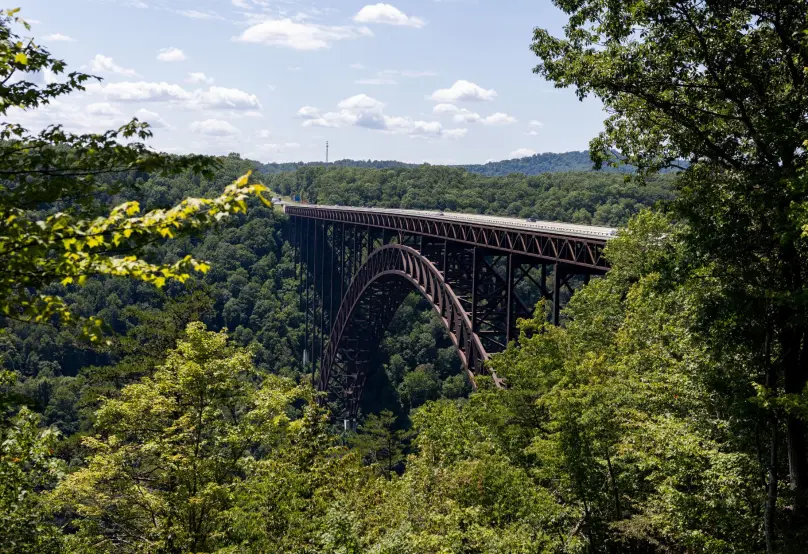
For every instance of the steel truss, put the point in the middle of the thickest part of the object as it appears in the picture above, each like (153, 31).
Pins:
(556, 248)
(354, 277)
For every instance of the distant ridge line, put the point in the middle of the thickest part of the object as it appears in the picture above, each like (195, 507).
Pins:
(549, 162)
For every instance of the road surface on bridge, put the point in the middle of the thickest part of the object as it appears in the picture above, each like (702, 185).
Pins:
(511, 223)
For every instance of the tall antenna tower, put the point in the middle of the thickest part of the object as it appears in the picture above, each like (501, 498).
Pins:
(326, 151)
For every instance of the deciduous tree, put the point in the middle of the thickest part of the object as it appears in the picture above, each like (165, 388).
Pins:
(722, 85)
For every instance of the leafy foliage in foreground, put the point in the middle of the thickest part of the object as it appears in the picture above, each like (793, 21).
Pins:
(722, 85)
(67, 242)
(164, 466)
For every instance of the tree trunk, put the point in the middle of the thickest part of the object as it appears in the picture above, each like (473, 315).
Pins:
(795, 433)
(794, 383)
(770, 510)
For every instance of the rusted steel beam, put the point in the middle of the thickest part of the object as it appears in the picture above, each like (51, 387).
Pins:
(584, 253)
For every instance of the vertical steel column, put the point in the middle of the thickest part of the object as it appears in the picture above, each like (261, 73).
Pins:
(355, 251)
(543, 279)
(295, 243)
(557, 294)
(342, 265)
(509, 324)
(370, 242)
(305, 271)
(445, 257)
(474, 271)
(331, 277)
(314, 312)
(323, 248)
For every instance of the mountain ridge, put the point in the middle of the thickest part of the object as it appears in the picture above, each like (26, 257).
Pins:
(548, 162)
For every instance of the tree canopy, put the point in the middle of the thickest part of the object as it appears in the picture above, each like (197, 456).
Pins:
(667, 415)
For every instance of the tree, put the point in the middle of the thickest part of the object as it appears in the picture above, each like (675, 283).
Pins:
(419, 386)
(27, 470)
(721, 85)
(53, 185)
(170, 453)
(380, 443)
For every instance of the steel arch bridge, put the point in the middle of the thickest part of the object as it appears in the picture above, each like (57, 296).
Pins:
(479, 273)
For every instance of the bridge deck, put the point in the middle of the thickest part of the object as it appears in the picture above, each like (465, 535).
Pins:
(565, 243)
(512, 223)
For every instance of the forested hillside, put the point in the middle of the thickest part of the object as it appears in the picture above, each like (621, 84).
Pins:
(536, 164)
(152, 397)
(251, 291)
(575, 197)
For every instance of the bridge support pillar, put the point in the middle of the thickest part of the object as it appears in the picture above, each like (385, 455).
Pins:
(557, 269)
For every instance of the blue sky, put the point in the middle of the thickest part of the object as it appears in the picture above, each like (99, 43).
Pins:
(433, 81)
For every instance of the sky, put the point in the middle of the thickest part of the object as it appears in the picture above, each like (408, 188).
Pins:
(436, 81)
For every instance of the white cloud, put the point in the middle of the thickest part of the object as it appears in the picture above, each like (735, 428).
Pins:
(532, 133)
(199, 77)
(332, 119)
(299, 35)
(522, 153)
(152, 118)
(171, 55)
(214, 128)
(104, 109)
(463, 91)
(467, 116)
(215, 98)
(240, 4)
(195, 14)
(462, 115)
(408, 74)
(421, 129)
(360, 102)
(456, 133)
(221, 98)
(142, 91)
(387, 77)
(363, 111)
(275, 148)
(308, 112)
(264, 133)
(105, 64)
(73, 117)
(536, 123)
(387, 15)
(371, 120)
(498, 118)
(357, 66)
(445, 108)
(58, 37)
(376, 81)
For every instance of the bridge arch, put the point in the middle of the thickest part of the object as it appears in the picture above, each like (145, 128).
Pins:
(377, 290)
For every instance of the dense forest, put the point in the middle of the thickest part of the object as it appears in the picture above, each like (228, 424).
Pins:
(575, 197)
(536, 164)
(152, 397)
